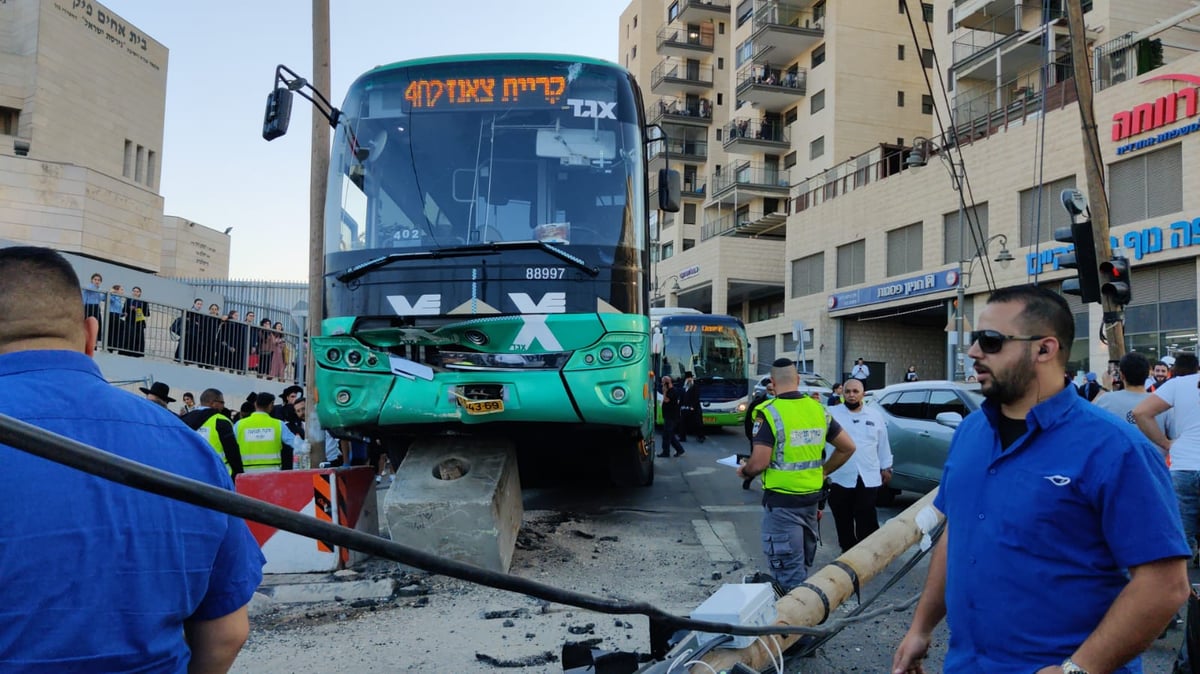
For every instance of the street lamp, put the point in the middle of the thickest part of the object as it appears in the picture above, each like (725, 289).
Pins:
(918, 157)
(674, 289)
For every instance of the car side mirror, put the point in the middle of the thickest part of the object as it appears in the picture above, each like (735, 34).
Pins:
(951, 419)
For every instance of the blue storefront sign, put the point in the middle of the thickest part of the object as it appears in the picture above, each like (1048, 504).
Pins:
(1134, 245)
(915, 286)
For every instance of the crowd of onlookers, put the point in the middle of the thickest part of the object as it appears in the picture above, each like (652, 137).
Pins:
(208, 338)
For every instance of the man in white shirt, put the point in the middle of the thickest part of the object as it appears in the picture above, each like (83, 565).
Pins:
(1133, 370)
(853, 487)
(1178, 394)
(860, 371)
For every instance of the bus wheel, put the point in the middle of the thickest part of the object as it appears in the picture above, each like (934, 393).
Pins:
(631, 461)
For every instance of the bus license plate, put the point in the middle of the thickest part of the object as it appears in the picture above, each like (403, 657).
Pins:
(710, 420)
(483, 406)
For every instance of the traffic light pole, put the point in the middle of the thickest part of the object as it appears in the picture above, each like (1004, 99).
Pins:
(1114, 329)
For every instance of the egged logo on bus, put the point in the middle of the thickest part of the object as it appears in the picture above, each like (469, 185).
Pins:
(584, 107)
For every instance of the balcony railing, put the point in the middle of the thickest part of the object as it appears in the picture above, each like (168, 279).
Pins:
(852, 174)
(787, 15)
(1008, 25)
(681, 71)
(751, 175)
(695, 10)
(680, 148)
(671, 108)
(764, 75)
(698, 39)
(765, 129)
(1010, 103)
(748, 222)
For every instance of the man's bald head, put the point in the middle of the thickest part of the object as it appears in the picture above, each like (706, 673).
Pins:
(40, 302)
(783, 373)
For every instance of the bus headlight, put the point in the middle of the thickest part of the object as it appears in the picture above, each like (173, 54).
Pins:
(606, 354)
(741, 407)
(354, 358)
(618, 394)
(342, 397)
(333, 355)
(626, 351)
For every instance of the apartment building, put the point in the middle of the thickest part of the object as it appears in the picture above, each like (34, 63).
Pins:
(82, 103)
(868, 252)
(756, 98)
(886, 288)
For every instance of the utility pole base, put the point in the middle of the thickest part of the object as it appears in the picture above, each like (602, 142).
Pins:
(459, 497)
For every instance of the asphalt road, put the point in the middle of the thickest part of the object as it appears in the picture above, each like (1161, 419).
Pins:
(671, 544)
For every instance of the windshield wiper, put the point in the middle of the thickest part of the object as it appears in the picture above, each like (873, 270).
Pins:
(356, 271)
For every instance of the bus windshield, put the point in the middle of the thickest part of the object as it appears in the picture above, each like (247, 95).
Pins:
(438, 156)
(715, 353)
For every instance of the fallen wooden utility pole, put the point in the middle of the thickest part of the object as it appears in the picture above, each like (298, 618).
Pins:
(803, 607)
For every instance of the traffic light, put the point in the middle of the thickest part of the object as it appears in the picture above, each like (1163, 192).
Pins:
(1086, 283)
(1115, 280)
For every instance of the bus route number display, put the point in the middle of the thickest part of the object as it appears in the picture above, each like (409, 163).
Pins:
(471, 91)
(692, 327)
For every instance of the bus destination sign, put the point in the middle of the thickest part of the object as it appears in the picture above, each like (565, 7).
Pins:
(453, 92)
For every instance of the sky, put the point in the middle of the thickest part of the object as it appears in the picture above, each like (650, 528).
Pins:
(216, 168)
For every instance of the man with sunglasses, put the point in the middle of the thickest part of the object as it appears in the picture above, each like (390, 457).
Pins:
(1063, 550)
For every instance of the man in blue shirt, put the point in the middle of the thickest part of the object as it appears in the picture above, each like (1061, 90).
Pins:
(96, 576)
(1063, 550)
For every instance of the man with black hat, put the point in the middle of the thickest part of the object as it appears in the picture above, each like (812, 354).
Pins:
(158, 392)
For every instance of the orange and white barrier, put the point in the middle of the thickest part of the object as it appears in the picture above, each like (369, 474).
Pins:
(345, 496)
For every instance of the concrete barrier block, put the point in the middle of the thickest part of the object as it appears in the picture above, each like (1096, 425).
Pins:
(459, 497)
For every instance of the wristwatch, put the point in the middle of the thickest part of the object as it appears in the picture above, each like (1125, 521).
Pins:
(1068, 666)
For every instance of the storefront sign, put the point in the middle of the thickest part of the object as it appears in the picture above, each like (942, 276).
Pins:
(689, 272)
(896, 290)
(1147, 117)
(1136, 244)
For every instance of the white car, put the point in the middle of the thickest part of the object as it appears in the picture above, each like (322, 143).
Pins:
(809, 383)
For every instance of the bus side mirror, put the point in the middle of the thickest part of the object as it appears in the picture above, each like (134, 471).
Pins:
(278, 114)
(668, 190)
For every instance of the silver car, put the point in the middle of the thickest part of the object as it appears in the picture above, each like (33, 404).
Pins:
(810, 383)
(921, 419)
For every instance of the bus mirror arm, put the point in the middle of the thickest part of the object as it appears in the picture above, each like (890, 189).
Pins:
(279, 103)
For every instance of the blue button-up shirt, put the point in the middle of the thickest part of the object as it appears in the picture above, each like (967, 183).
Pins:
(1041, 534)
(96, 576)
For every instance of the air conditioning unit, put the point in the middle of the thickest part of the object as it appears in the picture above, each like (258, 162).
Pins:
(1117, 59)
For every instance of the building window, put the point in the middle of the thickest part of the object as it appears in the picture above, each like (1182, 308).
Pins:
(720, 98)
(1164, 308)
(1037, 225)
(790, 116)
(959, 240)
(718, 135)
(745, 52)
(9, 121)
(689, 244)
(745, 11)
(1146, 186)
(635, 17)
(899, 99)
(927, 58)
(720, 63)
(789, 160)
(139, 170)
(816, 148)
(689, 215)
(633, 52)
(904, 250)
(926, 12)
(818, 55)
(151, 162)
(949, 21)
(900, 52)
(808, 275)
(926, 104)
(816, 103)
(851, 263)
(127, 168)
(720, 28)
(903, 7)
(668, 250)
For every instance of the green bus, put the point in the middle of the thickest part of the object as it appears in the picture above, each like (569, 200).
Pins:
(486, 255)
(715, 350)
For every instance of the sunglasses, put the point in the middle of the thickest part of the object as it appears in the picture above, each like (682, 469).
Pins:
(991, 341)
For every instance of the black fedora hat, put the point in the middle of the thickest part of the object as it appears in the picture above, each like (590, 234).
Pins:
(160, 391)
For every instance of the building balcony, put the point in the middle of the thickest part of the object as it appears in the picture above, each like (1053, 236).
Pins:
(1009, 104)
(1014, 36)
(784, 32)
(695, 11)
(677, 149)
(747, 136)
(672, 110)
(745, 222)
(769, 87)
(747, 180)
(690, 41)
(674, 75)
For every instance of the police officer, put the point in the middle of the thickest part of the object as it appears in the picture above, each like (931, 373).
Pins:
(790, 432)
(210, 422)
(262, 437)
